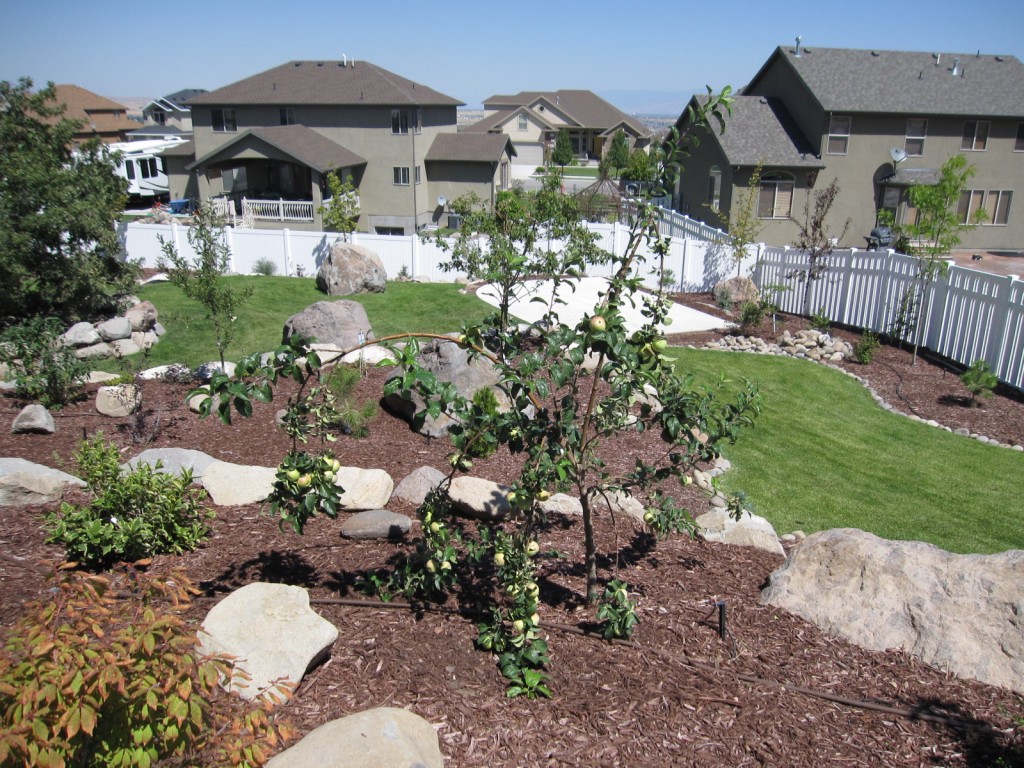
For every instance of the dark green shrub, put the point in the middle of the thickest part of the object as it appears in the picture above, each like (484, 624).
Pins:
(979, 381)
(820, 320)
(133, 515)
(866, 347)
(43, 369)
(752, 315)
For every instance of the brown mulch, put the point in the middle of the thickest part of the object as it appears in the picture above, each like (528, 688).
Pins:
(776, 691)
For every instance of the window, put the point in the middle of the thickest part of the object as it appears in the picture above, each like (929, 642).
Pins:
(393, 231)
(917, 129)
(1018, 144)
(417, 174)
(715, 187)
(975, 137)
(129, 169)
(838, 135)
(224, 121)
(995, 203)
(401, 118)
(775, 199)
(401, 175)
(287, 116)
(159, 117)
(523, 123)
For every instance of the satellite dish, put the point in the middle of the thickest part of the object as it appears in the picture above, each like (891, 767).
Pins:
(898, 155)
(442, 201)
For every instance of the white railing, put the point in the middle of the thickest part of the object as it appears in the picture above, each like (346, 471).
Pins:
(277, 210)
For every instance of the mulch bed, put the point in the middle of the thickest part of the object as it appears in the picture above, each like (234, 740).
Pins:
(776, 691)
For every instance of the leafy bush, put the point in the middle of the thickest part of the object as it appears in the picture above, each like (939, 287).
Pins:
(133, 515)
(266, 267)
(104, 673)
(617, 611)
(42, 367)
(820, 320)
(979, 381)
(752, 315)
(864, 350)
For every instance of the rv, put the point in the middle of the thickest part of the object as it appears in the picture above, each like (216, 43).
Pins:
(142, 166)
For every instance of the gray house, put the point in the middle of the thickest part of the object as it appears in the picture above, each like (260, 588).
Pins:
(273, 138)
(876, 121)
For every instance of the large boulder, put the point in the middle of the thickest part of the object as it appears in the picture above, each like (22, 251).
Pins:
(736, 290)
(340, 323)
(449, 362)
(385, 736)
(749, 531)
(479, 499)
(24, 482)
(174, 461)
(81, 335)
(115, 328)
(418, 484)
(231, 485)
(270, 633)
(34, 419)
(350, 269)
(142, 316)
(962, 613)
(364, 488)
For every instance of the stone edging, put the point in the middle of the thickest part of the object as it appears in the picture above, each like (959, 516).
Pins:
(761, 347)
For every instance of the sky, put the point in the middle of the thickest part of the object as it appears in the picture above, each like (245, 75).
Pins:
(644, 57)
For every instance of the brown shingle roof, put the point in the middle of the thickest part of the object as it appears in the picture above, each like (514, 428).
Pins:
(585, 107)
(323, 83)
(305, 145)
(906, 82)
(98, 114)
(470, 147)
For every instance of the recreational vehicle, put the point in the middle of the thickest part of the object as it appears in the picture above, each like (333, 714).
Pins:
(143, 167)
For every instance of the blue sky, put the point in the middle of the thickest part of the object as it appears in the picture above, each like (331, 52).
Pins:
(639, 55)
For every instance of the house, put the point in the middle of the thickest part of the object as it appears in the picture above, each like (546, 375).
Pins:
(99, 116)
(533, 119)
(878, 122)
(273, 138)
(167, 117)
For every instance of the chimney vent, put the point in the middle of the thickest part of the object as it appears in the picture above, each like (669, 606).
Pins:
(797, 53)
(956, 66)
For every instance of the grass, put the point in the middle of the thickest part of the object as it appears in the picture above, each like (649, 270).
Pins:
(824, 455)
(408, 307)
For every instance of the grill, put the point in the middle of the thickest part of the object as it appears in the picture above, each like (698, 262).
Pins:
(880, 237)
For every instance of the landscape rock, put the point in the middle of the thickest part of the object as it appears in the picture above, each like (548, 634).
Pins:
(385, 736)
(417, 484)
(24, 482)
(962, 613)
(119, 400)
(451, 363)
(479, 499)
(142, 316)
(173, 461)
(232, 485)
(369, 356)
(95, 351)
(749, 531)
(350, 269)
(81, 335)
(125, 347)
(736, 290)
(364, 488)
(205, 371)
(34, 419)
(620, 503)
(561, 504)
(100, 377)
(376, 524)
(338, 323)
(271, 633)
(115, 328)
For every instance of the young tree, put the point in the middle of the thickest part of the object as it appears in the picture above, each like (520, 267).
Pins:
(562, 154)
(59, 250)
(618, 152)
(341, 210)
(524, 234)
(937, 231)
(816, 239)
(204, 281)
(642, 166)
(744, 225)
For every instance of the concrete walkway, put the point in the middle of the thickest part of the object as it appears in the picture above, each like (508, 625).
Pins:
(580, 303)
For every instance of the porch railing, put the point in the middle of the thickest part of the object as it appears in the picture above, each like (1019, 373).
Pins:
(277, 210)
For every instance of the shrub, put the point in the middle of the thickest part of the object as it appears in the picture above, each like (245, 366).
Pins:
(979, 381)
(864, 350)
(104, 673)
(133, 515)
(352, 418)
(266, 267)
(752, 315)
(42, 367)
(820, 320)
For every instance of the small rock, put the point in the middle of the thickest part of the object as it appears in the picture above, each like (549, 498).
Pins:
(34, 419)
(376, 524)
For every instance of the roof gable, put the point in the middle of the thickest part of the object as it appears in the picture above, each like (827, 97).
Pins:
(296, 141)
(503, 117)
(470, 148)
(903, 82)
(585, 108)
(326, 83)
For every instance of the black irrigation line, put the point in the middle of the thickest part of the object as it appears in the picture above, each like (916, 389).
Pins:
(700, 666)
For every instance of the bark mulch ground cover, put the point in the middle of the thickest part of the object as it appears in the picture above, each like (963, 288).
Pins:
(775, 691)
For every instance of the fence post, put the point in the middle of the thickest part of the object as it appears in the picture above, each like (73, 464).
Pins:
(230, 241)
(286, 233)
(412, 257)
(879, 315)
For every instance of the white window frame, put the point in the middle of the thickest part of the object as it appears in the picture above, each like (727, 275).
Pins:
(228, 122)
(835, 131)
(969, 142)
(915, 137)
(400, 175)
(775, 181)
(715, 187)
(524, 123)
(995, 202)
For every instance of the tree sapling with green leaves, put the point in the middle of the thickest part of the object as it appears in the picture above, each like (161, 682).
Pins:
(340, 211)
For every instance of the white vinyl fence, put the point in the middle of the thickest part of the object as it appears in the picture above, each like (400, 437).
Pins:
(695, 265)
(966, 315)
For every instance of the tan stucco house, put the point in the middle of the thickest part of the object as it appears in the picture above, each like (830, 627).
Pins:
(878, 122)
(278, 134)
(532, 119)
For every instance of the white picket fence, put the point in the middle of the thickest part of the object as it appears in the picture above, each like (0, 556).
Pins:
(696, 265)
(966, 315)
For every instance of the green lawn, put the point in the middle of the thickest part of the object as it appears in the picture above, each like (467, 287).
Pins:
(824, 455)
(403, 307)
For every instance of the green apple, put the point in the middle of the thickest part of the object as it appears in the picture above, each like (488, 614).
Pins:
(304, 481)
(532, 548)
(499, 559)
(518, 625)
(292, 474)
(598, 323)
(648, 517)
(431, 566)
(435, 527)
(660, 345)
